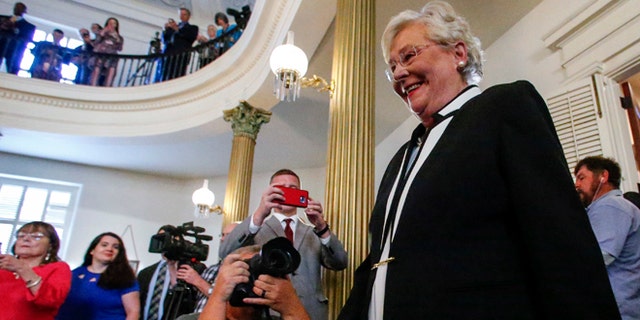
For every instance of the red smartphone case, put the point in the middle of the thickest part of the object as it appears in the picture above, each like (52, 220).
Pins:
(294, 197)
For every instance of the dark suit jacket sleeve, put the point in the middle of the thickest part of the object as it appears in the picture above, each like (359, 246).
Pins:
(166, 35)
(189, 33)
(239, 237)
(358, 300)
(25, 30)
(554, 229)
(333, 255)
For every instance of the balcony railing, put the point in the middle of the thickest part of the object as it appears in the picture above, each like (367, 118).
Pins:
(129, 70)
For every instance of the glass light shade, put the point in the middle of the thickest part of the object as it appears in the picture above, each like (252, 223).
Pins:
(289, 57)
(203, 196)
(289, 64)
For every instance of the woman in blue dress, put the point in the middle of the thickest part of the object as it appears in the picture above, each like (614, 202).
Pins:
(105, 286)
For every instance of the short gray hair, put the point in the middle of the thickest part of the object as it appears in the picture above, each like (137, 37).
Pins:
(445, 27)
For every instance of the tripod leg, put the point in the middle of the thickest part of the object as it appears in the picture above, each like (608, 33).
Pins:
(171, 312)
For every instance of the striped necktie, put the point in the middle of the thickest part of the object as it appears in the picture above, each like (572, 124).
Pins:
(154, 308)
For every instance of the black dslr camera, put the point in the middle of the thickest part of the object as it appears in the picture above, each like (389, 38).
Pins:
(174, 246)
(277, 258)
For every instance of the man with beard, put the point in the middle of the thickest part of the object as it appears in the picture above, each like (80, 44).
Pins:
(615, 222)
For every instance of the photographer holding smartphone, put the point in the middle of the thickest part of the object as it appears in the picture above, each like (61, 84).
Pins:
(277, 217)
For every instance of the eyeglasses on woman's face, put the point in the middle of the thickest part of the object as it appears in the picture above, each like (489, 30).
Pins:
(405, 58)
(36, 236)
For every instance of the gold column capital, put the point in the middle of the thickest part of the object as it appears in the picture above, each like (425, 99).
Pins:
(246, 120)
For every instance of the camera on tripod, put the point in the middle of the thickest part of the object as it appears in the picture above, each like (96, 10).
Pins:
(174, 246)
(277, 258)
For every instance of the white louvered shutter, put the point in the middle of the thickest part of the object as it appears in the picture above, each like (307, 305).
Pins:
(574, 114)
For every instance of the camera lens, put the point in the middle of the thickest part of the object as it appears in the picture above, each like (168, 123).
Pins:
(278, 262)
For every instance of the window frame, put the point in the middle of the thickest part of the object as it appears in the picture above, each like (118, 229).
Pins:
(74, 189)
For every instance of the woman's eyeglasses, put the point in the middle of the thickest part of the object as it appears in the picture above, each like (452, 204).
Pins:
(36, 236)
(405, 58)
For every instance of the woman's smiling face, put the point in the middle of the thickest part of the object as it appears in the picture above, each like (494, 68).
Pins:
(106, 250)
(430, 78)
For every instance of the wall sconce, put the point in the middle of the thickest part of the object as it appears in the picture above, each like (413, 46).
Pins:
(289, 64)
(203, 198)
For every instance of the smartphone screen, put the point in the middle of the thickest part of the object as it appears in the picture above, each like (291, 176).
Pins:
(294, 197)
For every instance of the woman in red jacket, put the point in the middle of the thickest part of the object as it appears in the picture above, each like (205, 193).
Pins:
(34, 283)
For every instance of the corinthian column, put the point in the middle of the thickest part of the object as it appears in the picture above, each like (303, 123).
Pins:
(350, 167)
(245, 122)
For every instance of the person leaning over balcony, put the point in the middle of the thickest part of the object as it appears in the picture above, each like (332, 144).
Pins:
(208, 52)
(228, 34)
(15, 34)
(81, 56)
(105, 286)
(49, 57)
(178, 38)
(95, 29)
(34, 282)
(108, 40)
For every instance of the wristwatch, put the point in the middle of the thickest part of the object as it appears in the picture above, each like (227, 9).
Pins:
(210, 290)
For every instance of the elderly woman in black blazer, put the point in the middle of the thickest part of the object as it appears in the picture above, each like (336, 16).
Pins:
(476, 216)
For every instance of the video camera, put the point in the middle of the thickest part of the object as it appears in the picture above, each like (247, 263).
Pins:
(174, 246)
(155, 45)
(242, 17)
(277, 258)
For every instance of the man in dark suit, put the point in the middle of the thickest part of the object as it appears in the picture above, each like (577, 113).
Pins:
(15, 34)
(317, 246)
(178, 38)
(476, 216)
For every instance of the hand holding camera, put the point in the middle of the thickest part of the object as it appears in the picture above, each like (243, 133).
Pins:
(171, 24)
(279, 294)
(233, 271)
(277, 258)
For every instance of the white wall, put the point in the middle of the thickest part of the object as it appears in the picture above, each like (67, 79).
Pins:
(521, 53)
